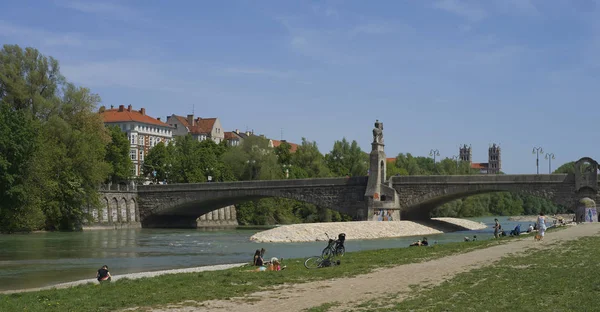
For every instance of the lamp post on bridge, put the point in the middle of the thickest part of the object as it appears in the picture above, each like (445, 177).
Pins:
(434, 152)
(286, 168)
(537, 151)
(252, 168)
(456, 158)
(549, 156)
(209, 174)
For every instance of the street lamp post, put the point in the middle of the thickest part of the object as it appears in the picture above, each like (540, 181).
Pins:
(209, 172)
(286, 168)
(456, 158)
(549, 156)
(537, 151)
(251, 162)
(434, 152)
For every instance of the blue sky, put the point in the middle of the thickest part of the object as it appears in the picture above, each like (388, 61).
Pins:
(437, 73)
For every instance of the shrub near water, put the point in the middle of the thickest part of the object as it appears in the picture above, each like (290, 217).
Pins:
(175, 288)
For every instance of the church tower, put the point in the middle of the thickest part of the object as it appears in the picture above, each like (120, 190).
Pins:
(494, 159)
(465, 153)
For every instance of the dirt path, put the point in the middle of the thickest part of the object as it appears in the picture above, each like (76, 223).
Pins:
(398, 280)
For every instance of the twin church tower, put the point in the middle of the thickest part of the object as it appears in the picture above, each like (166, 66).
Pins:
(494, 164)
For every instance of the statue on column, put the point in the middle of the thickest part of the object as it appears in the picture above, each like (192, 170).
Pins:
(378, 132)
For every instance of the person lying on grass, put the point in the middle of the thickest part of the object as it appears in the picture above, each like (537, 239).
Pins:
(420, 242)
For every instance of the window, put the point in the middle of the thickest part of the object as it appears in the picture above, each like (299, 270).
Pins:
(132, 153)
(132, 139)
(141, 140)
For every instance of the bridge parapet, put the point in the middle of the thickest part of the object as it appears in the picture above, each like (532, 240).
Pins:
(255, 185)
(465, 179)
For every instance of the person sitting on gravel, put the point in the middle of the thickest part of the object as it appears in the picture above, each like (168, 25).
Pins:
(530, 229)
(516, 231)
(103, 275)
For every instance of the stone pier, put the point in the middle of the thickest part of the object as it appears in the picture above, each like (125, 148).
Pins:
(225, 216)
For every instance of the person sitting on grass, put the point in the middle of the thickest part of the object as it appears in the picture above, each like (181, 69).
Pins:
(273, 265)
(258, 259)
(103, 275)
(420, 243)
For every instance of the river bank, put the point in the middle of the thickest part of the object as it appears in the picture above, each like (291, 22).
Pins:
(566, 217)
(132, 276)
(363, 230)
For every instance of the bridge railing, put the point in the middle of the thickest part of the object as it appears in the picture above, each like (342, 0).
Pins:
(118, 187)
(352, 181)
(484, 178)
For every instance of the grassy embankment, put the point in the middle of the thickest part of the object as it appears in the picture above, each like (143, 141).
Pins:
(563, 278)
(197, 287)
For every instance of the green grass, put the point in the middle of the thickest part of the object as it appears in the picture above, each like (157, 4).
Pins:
(564, 278)
(176, 288)
(323, 308)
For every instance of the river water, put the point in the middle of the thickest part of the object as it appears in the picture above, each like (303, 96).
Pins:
(42, 259)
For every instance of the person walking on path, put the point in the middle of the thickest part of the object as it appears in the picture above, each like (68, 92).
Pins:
(541, 225)
(497, 228)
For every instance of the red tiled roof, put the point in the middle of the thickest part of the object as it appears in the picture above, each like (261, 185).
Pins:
(203, 125)
(479, 165)
(390, 159)
(293, 148)
(182, 120)
(123, 114)
(231, 136)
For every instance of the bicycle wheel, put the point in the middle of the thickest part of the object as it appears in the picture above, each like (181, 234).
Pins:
(340, 251)
(313, 262)
(327, 253)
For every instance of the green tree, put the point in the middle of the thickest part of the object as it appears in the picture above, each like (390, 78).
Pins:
(566, 168)
(72, 164)
(117, 155)
(19, 210)
(68, 142)
(308, 158)
(347, 159)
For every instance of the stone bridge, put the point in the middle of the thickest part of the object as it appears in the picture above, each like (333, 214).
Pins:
(406, 197)
(179, 205)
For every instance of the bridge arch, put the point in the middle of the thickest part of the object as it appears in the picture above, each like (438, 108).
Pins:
(181, 204)
(113, 216)
(420, 205)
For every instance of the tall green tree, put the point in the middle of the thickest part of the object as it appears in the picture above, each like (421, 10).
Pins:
(308, 158)
(72, 165)
(63, 132)
(347, 159)
(117, 155)
(19, 210)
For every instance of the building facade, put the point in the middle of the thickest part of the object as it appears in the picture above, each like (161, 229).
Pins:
(494, 164)
(143, 131)
(200, 128)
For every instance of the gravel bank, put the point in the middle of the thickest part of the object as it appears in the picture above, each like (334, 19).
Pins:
(567, 217)
(308, 232)
(133, 276)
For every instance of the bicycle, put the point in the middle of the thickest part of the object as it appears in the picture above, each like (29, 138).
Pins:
(316, 262)
(334, 247)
